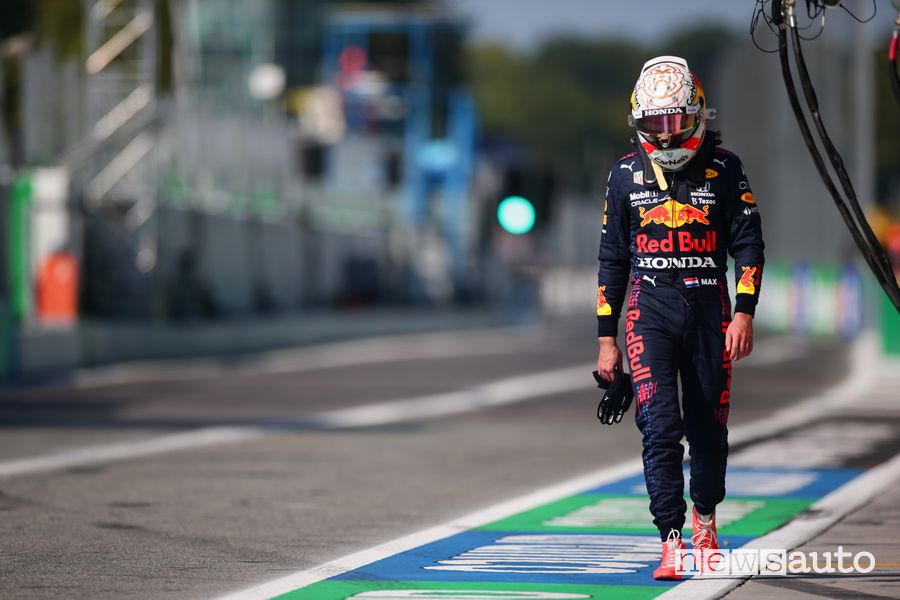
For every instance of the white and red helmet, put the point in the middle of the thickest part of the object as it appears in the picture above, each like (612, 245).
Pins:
(668, 111)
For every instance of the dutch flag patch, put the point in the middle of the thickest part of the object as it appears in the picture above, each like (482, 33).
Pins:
(691, 282)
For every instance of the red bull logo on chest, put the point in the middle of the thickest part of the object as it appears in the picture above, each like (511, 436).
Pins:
(687, 242)
(673, 213)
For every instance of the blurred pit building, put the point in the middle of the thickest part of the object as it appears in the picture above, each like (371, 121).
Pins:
(216, 160)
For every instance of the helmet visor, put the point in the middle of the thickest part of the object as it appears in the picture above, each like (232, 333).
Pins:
(667, 124)
(667, 130)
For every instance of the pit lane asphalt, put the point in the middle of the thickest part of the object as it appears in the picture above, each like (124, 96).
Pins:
(196, 523)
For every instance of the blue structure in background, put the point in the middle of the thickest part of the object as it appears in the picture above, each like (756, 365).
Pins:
(439, 123)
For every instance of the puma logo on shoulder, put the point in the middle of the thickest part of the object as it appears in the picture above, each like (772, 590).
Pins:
(720, 161)
(629, 166)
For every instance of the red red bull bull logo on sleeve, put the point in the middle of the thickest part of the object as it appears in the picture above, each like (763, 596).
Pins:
(672, 213)
(747, 282)
(603, 307)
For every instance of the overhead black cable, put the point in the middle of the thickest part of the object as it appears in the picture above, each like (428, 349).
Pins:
(858, 19)
(860, 230)
(837, 163)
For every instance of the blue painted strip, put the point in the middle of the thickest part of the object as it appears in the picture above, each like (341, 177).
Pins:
(516, 557)
(578, 558)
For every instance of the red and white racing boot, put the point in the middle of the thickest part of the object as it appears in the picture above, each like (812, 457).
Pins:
(670, 567)
(706, 540)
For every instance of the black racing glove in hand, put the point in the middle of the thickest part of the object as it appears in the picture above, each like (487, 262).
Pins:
(617, 399)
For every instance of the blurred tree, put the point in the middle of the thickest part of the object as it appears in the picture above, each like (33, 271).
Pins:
(568, 101)
(547, 110)
(18, 16)
(15, 27)
(702, 46)
(59, 24)
(165, 77)
(598, 65)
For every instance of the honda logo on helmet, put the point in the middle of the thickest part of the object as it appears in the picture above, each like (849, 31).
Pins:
(664, 111)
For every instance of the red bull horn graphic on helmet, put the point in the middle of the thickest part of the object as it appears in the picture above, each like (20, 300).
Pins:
(747, 282)
(672, 213)
(603, 307)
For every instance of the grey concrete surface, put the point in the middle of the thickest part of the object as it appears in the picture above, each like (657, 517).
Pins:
(196, 523)
(873, 528)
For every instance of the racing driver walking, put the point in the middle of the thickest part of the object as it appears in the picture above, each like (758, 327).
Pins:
(674, 207)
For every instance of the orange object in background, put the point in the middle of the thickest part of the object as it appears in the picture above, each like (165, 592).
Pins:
(57, 290)
(892, 245)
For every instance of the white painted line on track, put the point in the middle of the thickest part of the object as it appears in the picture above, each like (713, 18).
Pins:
(822, 515)
(862, 358)
(497, 393)
(366, 351)
(210, 436)
(505, 391)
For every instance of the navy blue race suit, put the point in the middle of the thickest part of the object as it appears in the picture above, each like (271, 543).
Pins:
(673, 245)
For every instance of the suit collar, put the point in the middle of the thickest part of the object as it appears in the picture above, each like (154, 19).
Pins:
(694, 172)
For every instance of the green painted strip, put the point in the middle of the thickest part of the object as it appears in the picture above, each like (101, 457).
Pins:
(590, 513)
(773, 513)
(356, 590)
(19, 280)
(7, 340)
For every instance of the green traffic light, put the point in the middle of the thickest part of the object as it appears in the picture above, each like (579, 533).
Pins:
(516, 215)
